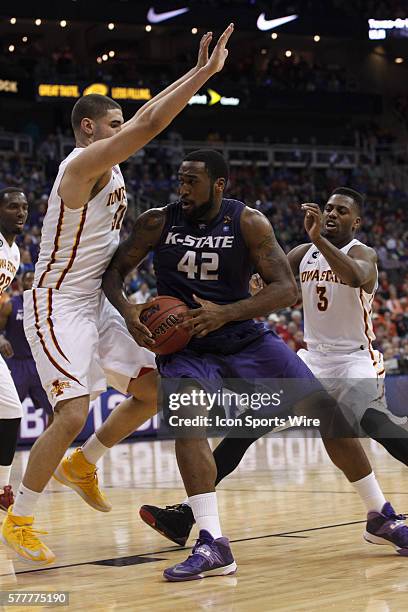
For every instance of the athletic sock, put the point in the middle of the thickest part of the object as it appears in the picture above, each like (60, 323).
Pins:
(93, 449)
(370, 493)
(5, 471)
(205, 510)
(227, 457)
(25, 501)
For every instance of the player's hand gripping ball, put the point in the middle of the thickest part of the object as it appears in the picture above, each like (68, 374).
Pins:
(162, 316)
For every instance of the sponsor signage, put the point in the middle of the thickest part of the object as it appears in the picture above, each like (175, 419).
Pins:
(76, 90)
(379, 29)
(7, 86)
(213, 97)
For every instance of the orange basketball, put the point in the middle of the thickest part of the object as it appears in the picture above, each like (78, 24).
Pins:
(161, 316)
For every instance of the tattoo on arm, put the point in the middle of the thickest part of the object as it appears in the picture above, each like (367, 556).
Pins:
(268, 258)
(144, 237)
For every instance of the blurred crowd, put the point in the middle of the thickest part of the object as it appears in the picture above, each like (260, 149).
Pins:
(278, 193)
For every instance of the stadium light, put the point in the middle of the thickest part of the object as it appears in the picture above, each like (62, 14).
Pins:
(24, 39)
(11, 48)
(111, 26)
(148, 28)
(194, 30)
(99, 60)
(288, 53)
(316, 38)
(38, 22)
(399, 60)
(13, 21)
(63, 23)
(263, 51)
(105, 57)
(111, 54)
(274, 35)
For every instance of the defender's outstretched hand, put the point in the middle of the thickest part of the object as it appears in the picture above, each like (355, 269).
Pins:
(203, 50)
(220, 53)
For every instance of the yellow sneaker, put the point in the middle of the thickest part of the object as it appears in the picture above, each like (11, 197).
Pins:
(17, 533)
(76, 472)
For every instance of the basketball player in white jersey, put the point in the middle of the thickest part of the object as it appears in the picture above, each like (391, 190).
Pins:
(13, 215)
(338, 276)
(79, 342)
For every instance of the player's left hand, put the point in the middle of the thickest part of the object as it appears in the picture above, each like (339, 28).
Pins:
(313, 220)
(203, 50)
(205, 319)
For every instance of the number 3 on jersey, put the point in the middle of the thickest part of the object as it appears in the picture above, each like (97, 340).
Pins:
(208, 265)
(323, 302)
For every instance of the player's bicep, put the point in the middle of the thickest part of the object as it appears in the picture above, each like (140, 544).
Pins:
(366, 260)
(267, 256)
(143, 238)
(100, 156)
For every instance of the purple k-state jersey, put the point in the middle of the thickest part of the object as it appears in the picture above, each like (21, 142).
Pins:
(14, 330)
(210, 260)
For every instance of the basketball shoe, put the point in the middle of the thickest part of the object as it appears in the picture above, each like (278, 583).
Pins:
(209, 558)
(173, 522)
(6, 498)
(77, 473)
(386, 527)
(18, 534)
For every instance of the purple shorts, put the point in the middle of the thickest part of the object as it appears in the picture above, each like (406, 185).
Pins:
(28, 384)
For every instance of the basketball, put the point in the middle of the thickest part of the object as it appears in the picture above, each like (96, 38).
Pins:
(161, 316)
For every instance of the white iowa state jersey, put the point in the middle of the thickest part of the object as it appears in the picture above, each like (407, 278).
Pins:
(77, 245)
(336, 316)
(9, 262)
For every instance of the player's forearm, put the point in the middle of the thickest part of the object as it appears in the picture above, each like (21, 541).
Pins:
(113, 288)
(273, 297)
(172, 103)
(160, 95)
(346, 268)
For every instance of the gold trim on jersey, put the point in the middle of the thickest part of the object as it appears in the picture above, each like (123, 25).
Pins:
(44, 346)
(56, 245)
(74, 248)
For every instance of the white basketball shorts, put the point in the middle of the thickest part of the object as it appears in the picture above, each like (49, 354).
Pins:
(10, 405)
(355, 380)
(80, 344)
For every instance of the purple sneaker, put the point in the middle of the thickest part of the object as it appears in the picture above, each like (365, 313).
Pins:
(386, 527)
(209, 558)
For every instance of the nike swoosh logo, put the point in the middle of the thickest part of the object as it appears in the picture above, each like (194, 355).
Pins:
(154, 17)
(267, 24)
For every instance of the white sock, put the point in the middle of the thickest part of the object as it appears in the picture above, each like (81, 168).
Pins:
(205, 510)
(370, 493)
(93, 449)
(25, 501)
(5, 471)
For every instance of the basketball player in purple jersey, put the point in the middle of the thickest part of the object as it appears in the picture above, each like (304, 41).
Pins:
(205, 250)
(334, 232)
(16, 350)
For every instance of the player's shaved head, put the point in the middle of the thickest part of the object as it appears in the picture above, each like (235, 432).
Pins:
(358, 198)
(93, 106)
(8, 191)
(215, 163)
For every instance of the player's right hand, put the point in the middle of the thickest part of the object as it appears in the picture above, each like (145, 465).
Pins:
(220, 53)
(6, 349)
(140, 332)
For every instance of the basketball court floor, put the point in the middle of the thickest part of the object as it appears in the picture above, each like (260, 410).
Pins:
(294, 521)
